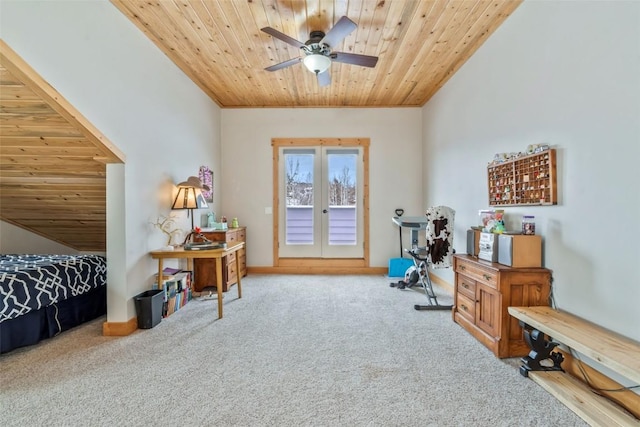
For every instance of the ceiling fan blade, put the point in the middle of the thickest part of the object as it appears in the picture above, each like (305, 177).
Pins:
(342, 29)
(324, 79)
(285, 38)
(284, 64)
(355, 59)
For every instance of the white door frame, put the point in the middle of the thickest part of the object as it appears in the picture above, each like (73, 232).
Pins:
(313, 262)
(316, 223)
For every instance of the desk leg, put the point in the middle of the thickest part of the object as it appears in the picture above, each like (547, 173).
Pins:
(159, 279)
(218, 262)
(238, 274)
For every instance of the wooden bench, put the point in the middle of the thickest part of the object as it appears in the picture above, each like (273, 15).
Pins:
(544, 363)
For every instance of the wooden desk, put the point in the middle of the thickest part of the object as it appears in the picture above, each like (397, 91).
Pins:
(216, 254)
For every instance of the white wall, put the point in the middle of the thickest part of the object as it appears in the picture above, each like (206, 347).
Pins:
(394, 175)
(116, 77)
(551, 74)
(15, 240)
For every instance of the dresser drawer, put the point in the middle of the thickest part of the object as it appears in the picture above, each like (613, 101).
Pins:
(232, 273)
(466, 307)
(232, 237)
(477, 272)
(241, 235)
(466, 286)
(215, 236)
(228, 236)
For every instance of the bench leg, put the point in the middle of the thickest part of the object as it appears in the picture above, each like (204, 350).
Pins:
(541, 350)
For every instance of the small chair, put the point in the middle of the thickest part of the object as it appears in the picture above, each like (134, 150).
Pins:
(438, 253)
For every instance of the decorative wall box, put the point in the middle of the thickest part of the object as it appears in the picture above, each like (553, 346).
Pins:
(527, 180)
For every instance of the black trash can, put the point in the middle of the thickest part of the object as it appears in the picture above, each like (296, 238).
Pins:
(149, 308)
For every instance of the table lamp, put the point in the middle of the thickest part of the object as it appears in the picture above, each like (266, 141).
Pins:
(190, 196)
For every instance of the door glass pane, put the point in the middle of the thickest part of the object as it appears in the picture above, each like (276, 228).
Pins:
(299, 197)
(341, 165)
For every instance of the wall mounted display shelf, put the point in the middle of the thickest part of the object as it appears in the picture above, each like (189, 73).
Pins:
(526, 180)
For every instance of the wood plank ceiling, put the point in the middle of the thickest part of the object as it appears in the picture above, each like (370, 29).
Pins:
(52, 161)
(219, 45)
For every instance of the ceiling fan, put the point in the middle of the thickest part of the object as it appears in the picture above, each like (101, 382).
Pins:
(317, 50)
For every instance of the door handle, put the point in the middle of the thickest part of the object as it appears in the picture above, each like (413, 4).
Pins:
(324, 211)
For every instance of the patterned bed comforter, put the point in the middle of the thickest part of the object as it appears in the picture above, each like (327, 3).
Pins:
(30, 282)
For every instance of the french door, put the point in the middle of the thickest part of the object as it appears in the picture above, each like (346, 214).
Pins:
(321, 201)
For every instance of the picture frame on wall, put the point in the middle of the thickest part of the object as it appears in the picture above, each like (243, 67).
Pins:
(206, 177)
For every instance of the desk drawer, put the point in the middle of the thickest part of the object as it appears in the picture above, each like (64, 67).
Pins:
(466, 286)
(228, 236)
(215, 236)
(466, 307)
(478, 273)
(232, 270)
(232, 237)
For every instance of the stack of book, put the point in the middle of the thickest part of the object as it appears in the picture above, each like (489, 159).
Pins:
(176, 286)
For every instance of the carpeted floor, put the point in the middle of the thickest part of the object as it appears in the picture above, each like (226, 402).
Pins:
(294, 351)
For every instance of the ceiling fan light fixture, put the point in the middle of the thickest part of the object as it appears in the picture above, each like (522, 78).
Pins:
(316, 63)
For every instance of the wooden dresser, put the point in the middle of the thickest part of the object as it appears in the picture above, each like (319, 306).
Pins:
(484, 290)
(205, 269)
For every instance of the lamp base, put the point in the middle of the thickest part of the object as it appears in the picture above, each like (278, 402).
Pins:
(191, 238)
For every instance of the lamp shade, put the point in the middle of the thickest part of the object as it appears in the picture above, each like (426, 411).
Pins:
(316, 63)
(189, 198)
(190, 195)
(185, 199)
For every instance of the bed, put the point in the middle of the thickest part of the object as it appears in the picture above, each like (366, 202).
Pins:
(43, 295)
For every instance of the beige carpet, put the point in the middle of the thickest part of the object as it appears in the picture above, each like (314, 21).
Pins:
(294, 351)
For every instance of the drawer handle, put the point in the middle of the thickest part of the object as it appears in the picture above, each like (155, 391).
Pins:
(462, 267)
(486, 276)
(464, 307)
(464, 285)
